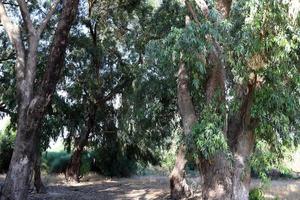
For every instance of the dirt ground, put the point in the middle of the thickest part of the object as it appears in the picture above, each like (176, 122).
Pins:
(94, 187)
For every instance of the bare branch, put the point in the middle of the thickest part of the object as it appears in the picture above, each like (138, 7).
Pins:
(26, 17)
(47, 18)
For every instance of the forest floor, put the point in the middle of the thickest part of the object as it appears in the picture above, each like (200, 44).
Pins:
(94, 187)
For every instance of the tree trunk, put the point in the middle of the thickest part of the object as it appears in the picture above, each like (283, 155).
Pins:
(31, 106)
(241, 171)
(223, 180)
(73, 169)
(17, 180)
(38, 184)
(178, 184)
(216, 175)
(230, 180)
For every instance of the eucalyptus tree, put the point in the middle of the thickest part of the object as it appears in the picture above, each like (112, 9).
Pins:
(31, 100)
(108, 61)
(101, 73)
(237, 86)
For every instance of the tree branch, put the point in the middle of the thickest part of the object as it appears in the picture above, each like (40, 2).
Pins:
(12, 30)
(47, 18)
(56, 59)
(26, 17)
(12, 55)
(14, 35)
(203, 6)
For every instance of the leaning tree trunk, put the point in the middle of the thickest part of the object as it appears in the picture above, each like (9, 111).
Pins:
(73, 169)
(178, 184)
(31, 106)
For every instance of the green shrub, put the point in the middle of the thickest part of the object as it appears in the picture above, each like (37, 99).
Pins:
(56, 162)
(7, 139)
(256, 194)
(86, 163)
(118, 165)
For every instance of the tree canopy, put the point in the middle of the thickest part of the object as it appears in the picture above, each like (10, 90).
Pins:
(123, 79)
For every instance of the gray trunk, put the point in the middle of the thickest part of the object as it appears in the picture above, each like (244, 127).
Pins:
(230, 180)
(38, 183)
(241, 172)
(17, 180)
(178, 184)
(31, 108)
(216, 173)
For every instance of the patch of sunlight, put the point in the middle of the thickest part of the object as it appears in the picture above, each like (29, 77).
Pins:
(110, 189)
(269, 196)
(4, 123)
(56, 145)
(294, 164)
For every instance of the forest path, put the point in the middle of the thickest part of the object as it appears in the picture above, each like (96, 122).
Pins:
(94, 187)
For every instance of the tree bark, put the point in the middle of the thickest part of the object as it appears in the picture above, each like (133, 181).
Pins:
(178, 184)
(221, 178)
(31, 107)
(73, 169)
(231, 180)
(216, 171)
(38, 183)
(241, 171)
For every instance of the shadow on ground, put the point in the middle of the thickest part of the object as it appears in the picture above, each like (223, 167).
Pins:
(94, 187)
(141, 188)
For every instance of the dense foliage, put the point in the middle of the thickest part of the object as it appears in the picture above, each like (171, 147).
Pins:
(117, 96)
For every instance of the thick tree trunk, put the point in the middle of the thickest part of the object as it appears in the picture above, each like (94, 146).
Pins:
(38, 183)
(241, 171)
(73, 169)
(230, 180)
(17, 180)
(178, 184)
(31, 106)
(216, 175)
